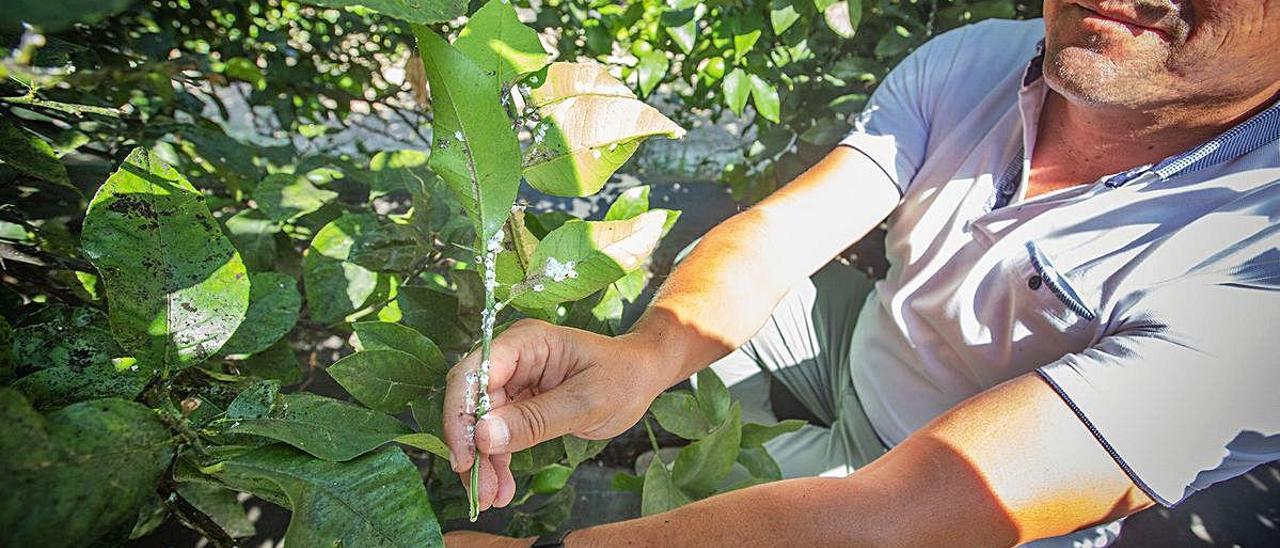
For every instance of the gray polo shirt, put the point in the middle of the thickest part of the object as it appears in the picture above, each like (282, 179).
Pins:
(1149, 299)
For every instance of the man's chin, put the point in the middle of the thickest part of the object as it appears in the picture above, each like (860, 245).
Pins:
(1101, 78)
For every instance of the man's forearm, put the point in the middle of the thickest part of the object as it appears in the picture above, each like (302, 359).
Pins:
(729, 284)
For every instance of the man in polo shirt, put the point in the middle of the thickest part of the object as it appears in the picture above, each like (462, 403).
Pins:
(1076, 324)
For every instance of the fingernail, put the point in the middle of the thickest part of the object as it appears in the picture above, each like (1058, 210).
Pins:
(499, 436)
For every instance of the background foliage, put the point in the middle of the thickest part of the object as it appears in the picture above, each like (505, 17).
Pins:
(204, 205)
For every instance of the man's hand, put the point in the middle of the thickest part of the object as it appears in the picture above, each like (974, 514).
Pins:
(476, 539)
(546, 381)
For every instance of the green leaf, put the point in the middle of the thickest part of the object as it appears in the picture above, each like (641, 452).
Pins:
(713, 397)
(701, 465)
(335, 286)
(473, 147)
(326, 428)
(588, 130)
(395, 170)
(746, 29)
(176, 286)
(759, 464)
(582, 257)
(277, 362)
(254, 236)
(550, 479)
(568, 80)
(373, 500)
(765, 98)
(660, 493)
(49, 461)
(374, 335)
(245, 70)
(736, 87)
(386, 380)
(497, 42)
(60, 386)
(414, 11)
(843, 17)
(220, 505)
(898, 41)
(579, 450)
(57, 16)
(682, 26)
(627, 483)
(433, 313)
(631, 203)
(390, 247)
(273, 309)
(254, 402)
(678, 412)
(755, 435)
(651, 70)
(285, 196)
(64, 337)
(30, 155)
(426, 442)
(782, 14)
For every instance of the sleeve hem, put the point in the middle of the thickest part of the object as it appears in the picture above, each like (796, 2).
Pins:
(1133, 476)
(892, 180)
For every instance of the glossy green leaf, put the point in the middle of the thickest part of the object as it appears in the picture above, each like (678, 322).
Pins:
(755, 435)
(176, 286)
(390, 247)
(746, 29)
(473, 147)
(550, 479)
(765, 97)
(582, 257)
(651, 69)
(703, 464)
(426, 442)
(396, 170)
(254, 402)
(782, 14)
(414, 11)
(285, 196)
(273, 309)
(49, 461)
(326, 428)
(497, 42)
(335, 286)
(713, 396)
(736, 87)
(627, 483)
(386, 380)
(660, 493)
(631, 203)
(220, 505)
(373, 500)
(682, 26)
(588, 130)
(30, 155)
(898, 41)
(374, 335)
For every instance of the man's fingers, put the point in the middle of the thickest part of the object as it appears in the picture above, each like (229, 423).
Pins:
(458, 417)
(525, 423)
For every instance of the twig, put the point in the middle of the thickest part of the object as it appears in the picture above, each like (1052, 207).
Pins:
(78, 110)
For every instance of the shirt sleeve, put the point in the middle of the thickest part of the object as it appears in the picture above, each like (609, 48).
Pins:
(1184, 394)
(893, 127)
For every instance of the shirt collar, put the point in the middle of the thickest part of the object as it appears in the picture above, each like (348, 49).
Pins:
(1258, 130)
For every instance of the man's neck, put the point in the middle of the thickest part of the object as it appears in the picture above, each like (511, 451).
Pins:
(1078, 144)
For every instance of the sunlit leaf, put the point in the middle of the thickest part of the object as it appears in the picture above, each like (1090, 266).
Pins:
(414, 11)
(176, 286)
(497, 42)
(326, 428)
(30, 155)
(285, 196)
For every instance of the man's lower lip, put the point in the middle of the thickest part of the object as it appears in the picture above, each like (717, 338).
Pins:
(1102, 20)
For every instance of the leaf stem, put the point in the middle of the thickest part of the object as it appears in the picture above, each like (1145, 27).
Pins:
(488, 264)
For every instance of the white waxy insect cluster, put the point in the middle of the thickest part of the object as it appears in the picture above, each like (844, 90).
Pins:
(487, 316)
(559, 271)
(540, 132)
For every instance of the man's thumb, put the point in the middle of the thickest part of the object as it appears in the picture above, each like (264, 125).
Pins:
(525, 423)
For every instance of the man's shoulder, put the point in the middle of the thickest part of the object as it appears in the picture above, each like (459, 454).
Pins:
(984, 49)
